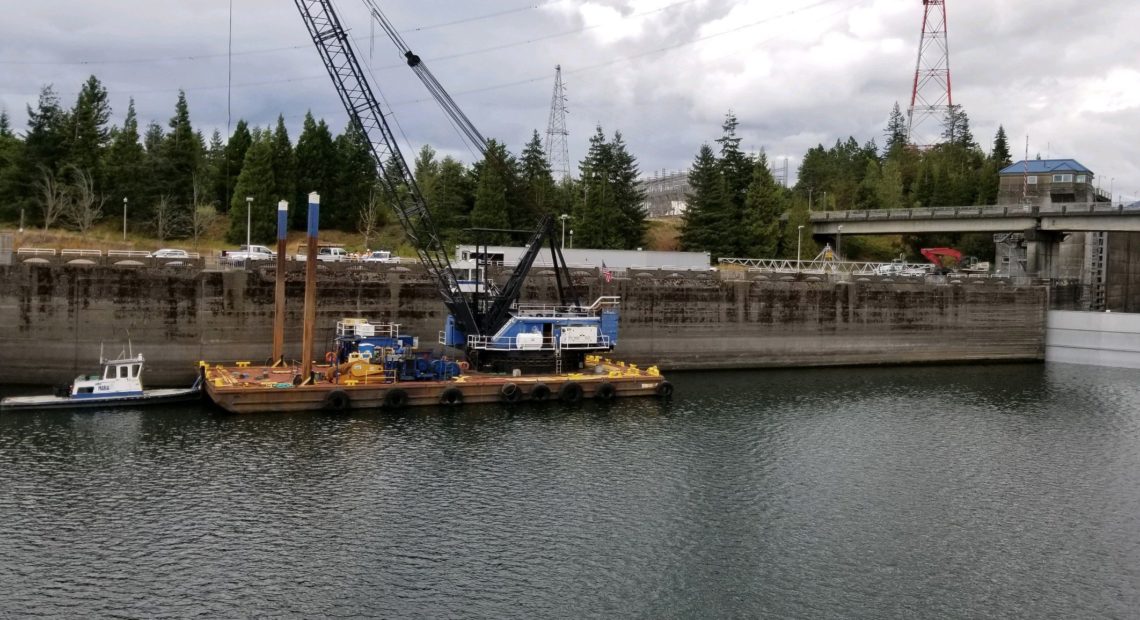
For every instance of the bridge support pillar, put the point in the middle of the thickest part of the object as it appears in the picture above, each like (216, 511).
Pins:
(1043, 253)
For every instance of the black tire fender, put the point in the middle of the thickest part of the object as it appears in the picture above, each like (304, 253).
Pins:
(570, 392)
(510, 393)
(540, 392)
(664, 389)
(451, 397)
(605, 391)
(395, 398)
(337, 400)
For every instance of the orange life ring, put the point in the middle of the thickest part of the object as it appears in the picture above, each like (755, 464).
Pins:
(330, 357)
(464, 366)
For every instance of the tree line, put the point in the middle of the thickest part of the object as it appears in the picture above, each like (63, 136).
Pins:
(71, 167)
(736, 208)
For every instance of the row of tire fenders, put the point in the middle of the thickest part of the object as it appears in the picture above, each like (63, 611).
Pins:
(569, 392)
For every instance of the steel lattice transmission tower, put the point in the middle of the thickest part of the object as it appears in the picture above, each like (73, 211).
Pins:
(931, 96)
(556, 152)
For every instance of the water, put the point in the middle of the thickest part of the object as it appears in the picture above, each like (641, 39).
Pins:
(998, 491)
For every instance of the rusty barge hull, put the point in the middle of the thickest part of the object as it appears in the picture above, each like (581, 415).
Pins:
(241, 389)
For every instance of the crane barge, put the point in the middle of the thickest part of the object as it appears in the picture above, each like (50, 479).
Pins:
(507, 351)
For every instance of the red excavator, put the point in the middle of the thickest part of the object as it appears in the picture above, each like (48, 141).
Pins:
(950, 260)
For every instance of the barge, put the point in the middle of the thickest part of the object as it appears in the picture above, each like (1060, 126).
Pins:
(374, 366)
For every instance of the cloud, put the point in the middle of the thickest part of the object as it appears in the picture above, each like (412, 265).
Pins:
(664, 72)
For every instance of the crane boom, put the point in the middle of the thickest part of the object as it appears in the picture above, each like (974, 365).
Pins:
(450, 107)
(356, 94)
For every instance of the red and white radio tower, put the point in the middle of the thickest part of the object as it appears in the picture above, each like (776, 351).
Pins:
(930, 98)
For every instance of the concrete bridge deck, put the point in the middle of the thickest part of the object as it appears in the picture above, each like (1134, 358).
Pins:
(1075, 217)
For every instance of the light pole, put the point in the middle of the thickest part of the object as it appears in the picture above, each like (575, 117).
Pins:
(248, 210)
(839, 244)
(799, 237)
(571, 238)
(564, 217)
(124, 218)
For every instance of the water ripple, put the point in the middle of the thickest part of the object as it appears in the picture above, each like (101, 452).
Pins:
(928, 492)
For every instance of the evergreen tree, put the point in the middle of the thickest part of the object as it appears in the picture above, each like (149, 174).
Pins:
(452, 199)
(736, 170)
(867, 197)
(125, 161)
(354, 179)
(627, 231)
(236, 148)
(284, 164)
(1000, 153)
(426, 173)
(316, 165)
(156, 167)
(492, 206)
(704, 217)
(593, 213)
(764, 203)
(212, 177)
(537, 181)
(11, 154)
(256, 181)
(956, 128)
(890, 189)
(183, 150)
(896, 132)
(797, 241)
(44, 147)
(87, 131)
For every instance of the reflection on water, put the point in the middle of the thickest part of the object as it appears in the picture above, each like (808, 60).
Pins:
(934, 491)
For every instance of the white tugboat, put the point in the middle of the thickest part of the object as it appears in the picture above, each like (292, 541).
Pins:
(120, 384)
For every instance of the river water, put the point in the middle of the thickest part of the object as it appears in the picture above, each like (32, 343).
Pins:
(994, 491)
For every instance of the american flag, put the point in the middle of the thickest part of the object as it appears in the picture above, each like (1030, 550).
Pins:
(606, 273)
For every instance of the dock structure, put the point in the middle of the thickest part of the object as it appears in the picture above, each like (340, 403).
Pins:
(243, 388)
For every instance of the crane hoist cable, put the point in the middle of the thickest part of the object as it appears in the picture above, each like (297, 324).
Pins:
(450, 107)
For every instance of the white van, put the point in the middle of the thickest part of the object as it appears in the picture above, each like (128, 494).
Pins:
(333, 254)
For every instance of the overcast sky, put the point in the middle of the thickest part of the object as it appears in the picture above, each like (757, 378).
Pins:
(663, 72)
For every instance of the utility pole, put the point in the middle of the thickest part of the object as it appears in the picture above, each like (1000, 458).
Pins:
(124, 218)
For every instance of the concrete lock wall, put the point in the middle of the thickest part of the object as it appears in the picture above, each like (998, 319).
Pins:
(1093, 338)
(54, 317)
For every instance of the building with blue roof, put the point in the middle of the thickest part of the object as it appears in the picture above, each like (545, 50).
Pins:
(1047, 181)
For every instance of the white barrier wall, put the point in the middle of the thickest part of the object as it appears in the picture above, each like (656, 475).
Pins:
(1093, 338)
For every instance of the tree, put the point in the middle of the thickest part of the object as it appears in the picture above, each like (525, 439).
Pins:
(284, 163)
(183, 150)
(956, 128)
(1000, 153)
(764, 203)
(797, 240)
(536, 179)
(629, 225)
(316, 165)
(896, 132)
(256, 181)
(52, 196)
(236, 148)
(354, 179)
(87, 131)
(890, 189)
(736, 169)
(167, 219)
(371, 218)
(204, 214)
(492, 206)
(452, 198)
(124, 160)
(704, 216)
(84, 204)
(44, 148)
(11, 156)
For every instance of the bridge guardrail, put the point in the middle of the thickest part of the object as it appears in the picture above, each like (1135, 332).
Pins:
(984, 211)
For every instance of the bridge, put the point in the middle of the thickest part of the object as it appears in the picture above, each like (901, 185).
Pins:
(1069, 217)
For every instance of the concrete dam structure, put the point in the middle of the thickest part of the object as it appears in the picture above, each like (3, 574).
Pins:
(54, 317)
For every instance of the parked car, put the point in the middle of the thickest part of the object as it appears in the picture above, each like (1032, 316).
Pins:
(248, 252)
(170, 253)
(381, 256)
(333, 254)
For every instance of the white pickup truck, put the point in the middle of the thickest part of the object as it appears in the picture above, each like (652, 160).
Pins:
(248, 253)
